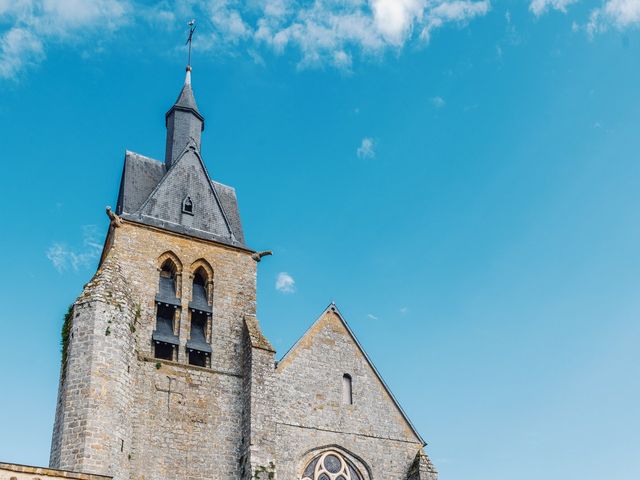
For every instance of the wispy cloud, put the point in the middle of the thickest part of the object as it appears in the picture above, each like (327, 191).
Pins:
(334, 31)
(63, 257)
(404, 310)
(31, 25)
(366, 148)
(538, 7)
(460, 12)
(317, 33)
(328, 32)
(285, 283)
(619, 14)
(438, 102)
(371, 316)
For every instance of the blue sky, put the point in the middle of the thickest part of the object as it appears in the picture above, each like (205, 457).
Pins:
(461, 177)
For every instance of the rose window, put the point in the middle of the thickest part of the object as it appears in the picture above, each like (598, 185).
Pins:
(331, 466)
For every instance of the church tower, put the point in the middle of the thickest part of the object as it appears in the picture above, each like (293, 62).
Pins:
(152, 382)
(166, 373)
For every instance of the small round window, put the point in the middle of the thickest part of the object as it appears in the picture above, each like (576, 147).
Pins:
(331, 465)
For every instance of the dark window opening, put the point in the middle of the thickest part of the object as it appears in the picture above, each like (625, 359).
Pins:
(347, 393)
(187, 206)
(200, 292)
(199, 278)
(168, 269)
(199, 359)
(198, 326)
(163, 351)
(163, 335)
(197, 344)
(164, 318)
(164, 340)
(168, 284)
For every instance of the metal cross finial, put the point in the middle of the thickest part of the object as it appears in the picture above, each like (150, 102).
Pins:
(192, 28)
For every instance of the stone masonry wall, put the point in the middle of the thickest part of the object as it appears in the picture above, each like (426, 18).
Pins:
(194, 432)
(94, 395)
(125, 414)
(259, 445)
(311, 413)
(12, 471)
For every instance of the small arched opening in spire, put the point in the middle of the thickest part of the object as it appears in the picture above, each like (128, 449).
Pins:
(187, 205)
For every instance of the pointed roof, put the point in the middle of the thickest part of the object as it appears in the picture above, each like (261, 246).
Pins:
(186, 101)
(332, 308)
(155, 193)
(141, 185)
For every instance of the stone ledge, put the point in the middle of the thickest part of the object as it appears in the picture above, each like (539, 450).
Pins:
(171, 363)
(50, 472)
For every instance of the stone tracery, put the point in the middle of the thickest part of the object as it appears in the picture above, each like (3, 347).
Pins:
(331, 465)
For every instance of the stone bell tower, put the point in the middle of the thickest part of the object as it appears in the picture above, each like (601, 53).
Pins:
(152, 381)
(166, 373)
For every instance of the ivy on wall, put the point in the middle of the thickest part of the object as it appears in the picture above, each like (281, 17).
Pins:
(64, 340)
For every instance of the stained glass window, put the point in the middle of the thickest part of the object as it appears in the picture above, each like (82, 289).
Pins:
(331, 465)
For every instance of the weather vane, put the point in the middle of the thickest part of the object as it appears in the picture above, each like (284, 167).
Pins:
(192, 28)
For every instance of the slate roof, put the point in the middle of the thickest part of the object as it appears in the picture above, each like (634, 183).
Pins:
(186, 98)
(141, 178)
(155, 193)
(186, 102)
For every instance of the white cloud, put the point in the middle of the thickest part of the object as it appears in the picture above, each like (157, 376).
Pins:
(538, 7)
(619, 14)
(227, 19)
(285, 283)
(32, 24)
(19, 48)
(394, 19)
(438, 102)
(322, 32)
(366, 148)
(404, 310)
(371, 316)
(458, 11)
(623, 13)
(62, 257)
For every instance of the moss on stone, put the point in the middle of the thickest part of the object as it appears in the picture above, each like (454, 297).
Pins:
(264, 473)
(65, 335)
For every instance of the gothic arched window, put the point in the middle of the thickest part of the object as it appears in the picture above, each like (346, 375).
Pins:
(164, 338)
(331, 465)
(198, 345)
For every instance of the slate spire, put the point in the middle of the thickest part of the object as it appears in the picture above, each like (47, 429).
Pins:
(184, 123)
